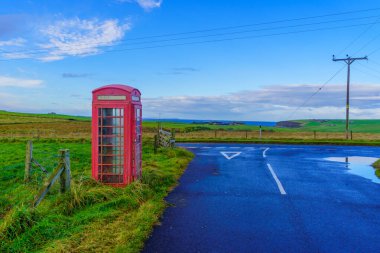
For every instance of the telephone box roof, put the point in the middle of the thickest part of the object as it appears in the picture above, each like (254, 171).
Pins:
(116, 86)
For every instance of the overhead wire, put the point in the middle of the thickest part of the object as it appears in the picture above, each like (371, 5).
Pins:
(366, 72)
(369, 67)
(258, 24)
(316, 92)
(88, 45)
(345, 48)
(126, 41)
(357, 38)
(217, 40)
(374, 51)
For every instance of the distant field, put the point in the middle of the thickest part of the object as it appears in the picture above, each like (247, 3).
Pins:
(18, 125)
(16, 117)
(357, 126)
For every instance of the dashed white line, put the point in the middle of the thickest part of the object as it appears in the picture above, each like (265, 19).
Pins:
(265, 152)
(278, 182)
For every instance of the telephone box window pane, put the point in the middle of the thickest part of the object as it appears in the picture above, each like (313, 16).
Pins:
(111, 145)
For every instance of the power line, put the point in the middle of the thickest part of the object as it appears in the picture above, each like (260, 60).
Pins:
(218, 40)
(254, 30)
(222, 28)
(316, 92)
(369, 68)
(367, 72)
(366, 44)
(358, 37)
(372, 61)
(374, 51)
(257, 24)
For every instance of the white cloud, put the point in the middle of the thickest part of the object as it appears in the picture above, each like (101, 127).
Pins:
(79, 37)
(16, 55)
(270, 103)
(147, 5)
(21, 83)
(13, 42)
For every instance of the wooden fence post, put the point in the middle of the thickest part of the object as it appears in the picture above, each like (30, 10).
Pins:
(61, 172)
(260, 133)
(155, 144)
(66, 174)
(216, 133)
(28, 160)
(351, 135)
(246, 134)
(315, 134)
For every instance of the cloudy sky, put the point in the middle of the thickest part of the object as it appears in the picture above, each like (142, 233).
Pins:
(202, 59)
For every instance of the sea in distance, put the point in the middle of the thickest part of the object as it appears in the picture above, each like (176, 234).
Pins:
(219, 122)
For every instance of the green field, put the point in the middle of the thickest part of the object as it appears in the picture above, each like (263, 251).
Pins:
(333, 126)
(52, 126)
(376, 165)
(357, 126)
(91, 217)
(95, 217)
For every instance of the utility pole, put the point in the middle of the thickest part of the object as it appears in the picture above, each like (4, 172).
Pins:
(348, 60)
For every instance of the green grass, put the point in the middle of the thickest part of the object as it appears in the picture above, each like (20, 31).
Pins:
(284, 141)
(357, 126)
(92, 217)
(376, 165)
(17, 117)
(333, 126)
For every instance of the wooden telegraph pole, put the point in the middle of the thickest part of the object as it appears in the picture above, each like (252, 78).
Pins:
(348, 60)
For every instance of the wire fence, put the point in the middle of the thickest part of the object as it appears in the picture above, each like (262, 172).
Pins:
(269, 134)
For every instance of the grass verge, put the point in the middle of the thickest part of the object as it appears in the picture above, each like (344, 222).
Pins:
(283, 141)
(376, 165)
(92, 217)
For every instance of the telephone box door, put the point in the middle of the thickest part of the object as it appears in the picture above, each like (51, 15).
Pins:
(111, 145)
(138, 140)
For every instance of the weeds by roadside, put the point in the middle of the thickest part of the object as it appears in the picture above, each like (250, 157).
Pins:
(92, 217)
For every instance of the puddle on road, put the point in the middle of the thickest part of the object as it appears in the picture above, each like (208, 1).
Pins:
(358, 165)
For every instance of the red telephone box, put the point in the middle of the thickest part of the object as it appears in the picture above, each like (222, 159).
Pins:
(116, 134)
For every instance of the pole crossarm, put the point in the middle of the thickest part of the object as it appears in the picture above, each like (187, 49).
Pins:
(348, 60)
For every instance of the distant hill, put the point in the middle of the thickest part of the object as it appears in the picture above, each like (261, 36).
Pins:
(11, 117)
(289, 124)
(339, 125)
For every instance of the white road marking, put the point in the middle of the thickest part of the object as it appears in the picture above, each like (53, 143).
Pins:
(191, 147)
(265, 152)
(205, 147)
(279, 185)
(220, 147)
(230, 155)
(235, 147)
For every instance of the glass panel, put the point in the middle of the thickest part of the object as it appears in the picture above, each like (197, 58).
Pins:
(137, 158)
(111, 145)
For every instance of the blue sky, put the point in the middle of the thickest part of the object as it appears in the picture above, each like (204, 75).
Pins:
(201, 59)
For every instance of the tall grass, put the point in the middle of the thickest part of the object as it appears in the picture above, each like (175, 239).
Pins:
(376, 165)
(92, 216)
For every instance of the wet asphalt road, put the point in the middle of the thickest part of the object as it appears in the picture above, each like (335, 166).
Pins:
(270, 198)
